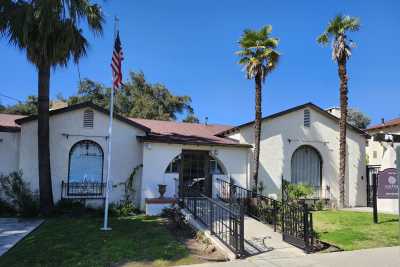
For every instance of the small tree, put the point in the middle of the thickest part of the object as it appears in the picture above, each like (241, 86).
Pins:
(358, 119)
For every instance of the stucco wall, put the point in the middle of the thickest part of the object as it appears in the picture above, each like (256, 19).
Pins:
(157, 156)
(379, 147)
(9, 149)
(281, 136)
(126, 150)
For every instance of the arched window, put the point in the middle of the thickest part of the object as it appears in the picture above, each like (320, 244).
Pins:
(306, 166)
(214, 166)
(85, 162)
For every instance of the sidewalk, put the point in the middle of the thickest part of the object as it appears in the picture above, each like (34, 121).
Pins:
(382, 257)
(261, 240)
(12, 230)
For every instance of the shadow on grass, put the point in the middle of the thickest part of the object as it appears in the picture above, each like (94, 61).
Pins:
(383, 221)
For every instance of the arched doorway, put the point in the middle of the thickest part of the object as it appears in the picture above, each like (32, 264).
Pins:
(195, 169)
(306, 166)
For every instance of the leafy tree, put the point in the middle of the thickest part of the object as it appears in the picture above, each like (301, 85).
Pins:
(191, 118)
(28, 107)
(259, 58)
(337, 30)
(48, 31)
(358, 119)
(138, 99)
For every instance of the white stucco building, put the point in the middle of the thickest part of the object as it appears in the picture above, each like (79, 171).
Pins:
(299, 145)
(381, 155)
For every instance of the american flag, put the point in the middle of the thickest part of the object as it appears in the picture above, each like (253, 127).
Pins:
(116, 63)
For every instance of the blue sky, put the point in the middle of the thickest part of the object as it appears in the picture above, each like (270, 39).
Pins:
(189, 46)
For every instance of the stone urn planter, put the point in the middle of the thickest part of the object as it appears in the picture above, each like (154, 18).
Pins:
(162, 188)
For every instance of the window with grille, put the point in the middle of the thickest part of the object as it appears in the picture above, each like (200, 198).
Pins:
(88, 117)
(307, 120)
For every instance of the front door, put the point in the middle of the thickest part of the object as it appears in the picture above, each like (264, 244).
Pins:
(194, 175)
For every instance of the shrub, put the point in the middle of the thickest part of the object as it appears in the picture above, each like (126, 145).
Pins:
(6, 209)
(123, 209)
(17, 193)
(319, 205)
(69, 206)
(297, 192)
(175, 216)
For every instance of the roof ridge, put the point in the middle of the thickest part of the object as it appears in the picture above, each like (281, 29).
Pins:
(182, 122)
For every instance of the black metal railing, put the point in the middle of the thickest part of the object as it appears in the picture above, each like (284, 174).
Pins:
(294, 220)
(297, 226)
(260, 207)
(297, 221)
(83, 190)
(225, 222)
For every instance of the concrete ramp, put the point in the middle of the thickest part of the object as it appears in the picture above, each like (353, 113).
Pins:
(261, 239)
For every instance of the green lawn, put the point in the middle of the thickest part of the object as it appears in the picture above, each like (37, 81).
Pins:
(133, 241)
(355, 230)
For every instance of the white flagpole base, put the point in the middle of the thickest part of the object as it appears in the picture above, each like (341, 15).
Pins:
(105, 228)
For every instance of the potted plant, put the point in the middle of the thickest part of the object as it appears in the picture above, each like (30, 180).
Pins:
(162, 188)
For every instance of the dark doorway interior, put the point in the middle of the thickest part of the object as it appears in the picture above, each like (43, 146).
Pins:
(194, 175)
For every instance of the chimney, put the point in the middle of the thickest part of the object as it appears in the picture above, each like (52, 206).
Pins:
(206, 120)
(383, 120)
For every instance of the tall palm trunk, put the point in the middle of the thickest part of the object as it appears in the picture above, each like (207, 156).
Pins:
(342, 129)
(45, 186)
(257, 131)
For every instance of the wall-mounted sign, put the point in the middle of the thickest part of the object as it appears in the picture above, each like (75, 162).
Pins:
(388, 185)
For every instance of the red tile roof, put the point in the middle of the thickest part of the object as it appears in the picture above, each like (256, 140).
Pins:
(7, 122)
(389, 123)
(185, 133)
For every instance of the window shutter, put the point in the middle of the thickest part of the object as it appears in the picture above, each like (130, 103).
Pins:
(88, 118)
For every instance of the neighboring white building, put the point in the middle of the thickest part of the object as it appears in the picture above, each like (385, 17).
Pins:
(299, 145)
(381, 156)
(375, 150)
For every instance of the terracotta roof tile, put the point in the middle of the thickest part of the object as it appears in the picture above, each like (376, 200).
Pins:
(7, 122)
(389, 123)
(188, 133)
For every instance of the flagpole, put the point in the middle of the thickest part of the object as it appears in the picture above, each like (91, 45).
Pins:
(110, 124)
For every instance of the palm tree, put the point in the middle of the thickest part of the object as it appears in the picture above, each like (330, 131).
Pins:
(337, 30)
(259, 58)
(48, 31)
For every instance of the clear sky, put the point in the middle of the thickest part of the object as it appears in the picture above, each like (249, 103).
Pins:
(189, 46)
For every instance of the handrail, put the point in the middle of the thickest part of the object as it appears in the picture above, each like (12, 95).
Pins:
(226, 223)
(295, 220)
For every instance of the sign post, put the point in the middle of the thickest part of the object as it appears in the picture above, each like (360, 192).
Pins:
(398, 180)
(374, 197)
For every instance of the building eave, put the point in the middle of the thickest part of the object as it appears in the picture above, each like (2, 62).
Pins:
(80, 106)
(296, 108)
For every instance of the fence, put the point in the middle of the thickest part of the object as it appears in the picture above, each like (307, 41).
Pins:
(225, 222)
(260, 207)
(293, 220)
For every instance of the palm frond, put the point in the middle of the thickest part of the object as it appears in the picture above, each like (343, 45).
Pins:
(336, 30)
(258, 55)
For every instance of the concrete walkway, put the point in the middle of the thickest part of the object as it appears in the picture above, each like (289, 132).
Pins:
(12, 230)
(382, 257)
(260, 239)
